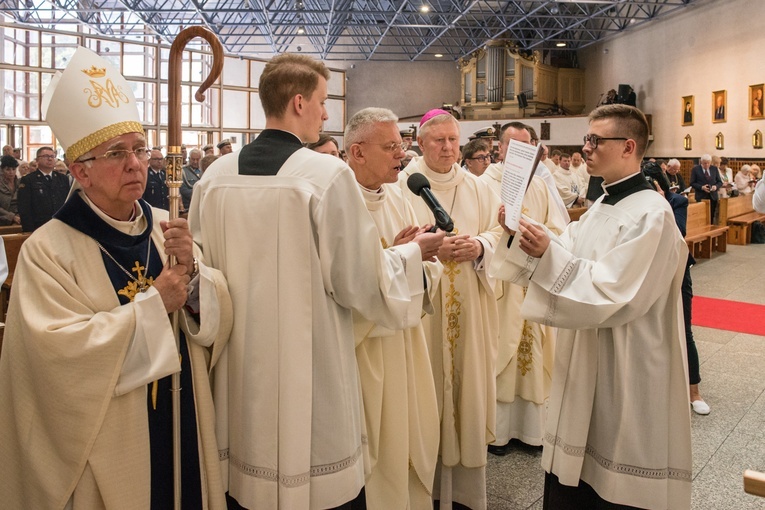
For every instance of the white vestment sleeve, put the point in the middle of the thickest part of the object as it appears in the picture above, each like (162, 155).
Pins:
(208, 328)
(758, 199)
(576, 293)
(152, 353)
(3, 263)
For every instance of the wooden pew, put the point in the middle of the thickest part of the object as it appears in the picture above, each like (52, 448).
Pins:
(12, 244)
(701, 236)
(576, 212)
(754, 483)
(739, 216)
(10, 229)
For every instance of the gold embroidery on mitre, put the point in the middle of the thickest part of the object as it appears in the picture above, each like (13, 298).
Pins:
(109, 93)
(95, 72)
(141, 284)
(104, 134)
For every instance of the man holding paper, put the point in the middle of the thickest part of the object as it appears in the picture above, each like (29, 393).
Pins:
(618, 424)
(525, 354)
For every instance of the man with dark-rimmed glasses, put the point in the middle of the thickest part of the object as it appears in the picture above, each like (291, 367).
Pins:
(618, 424)
(156, 193)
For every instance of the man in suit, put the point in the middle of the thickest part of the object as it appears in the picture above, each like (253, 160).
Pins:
(720, 108)
(706, 181)
(42, 192)
(156, 193)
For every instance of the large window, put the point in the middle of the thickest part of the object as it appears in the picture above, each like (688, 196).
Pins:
(29, 57)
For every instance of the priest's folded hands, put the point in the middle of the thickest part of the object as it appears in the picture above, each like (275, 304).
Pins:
(460, 248)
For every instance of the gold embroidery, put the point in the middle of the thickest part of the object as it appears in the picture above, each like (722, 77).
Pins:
(140, 285)
(452, 309)
(384, 243)
(108, 93)
(95, 72)
(104, 134)
(525, 354)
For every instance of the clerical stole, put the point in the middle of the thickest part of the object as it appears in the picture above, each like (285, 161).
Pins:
(133, 263)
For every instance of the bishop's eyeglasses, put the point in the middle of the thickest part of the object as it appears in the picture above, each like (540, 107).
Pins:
(120, 155)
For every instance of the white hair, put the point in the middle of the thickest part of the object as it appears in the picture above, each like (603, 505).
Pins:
(363, 121)
(437, 121)
(673, 162)
(746, 169)
(195, 151)
(705, 157)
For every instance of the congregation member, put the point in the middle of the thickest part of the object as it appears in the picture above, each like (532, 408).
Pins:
(706, 183)
(726, 175)
(89, 347)
(206, 161)
(156, 193)
(676, 181)
(208, 150)
(476, 156)
(23, 169)
(190, 174)
(287, 390)
(618, 424)
(545, 158)
(579, 168)
(224, 147)
(679, 204)
(42, 192)
(525, 352)
(9, 186)
(399, 396)
(743, 181)
(462, 332)
(409, 155)
(567, 182)
(326, 144)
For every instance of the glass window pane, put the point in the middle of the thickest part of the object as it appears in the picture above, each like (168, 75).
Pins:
(336, 113)
(235, 109)
(109, 50)
(40, 135)
(163, 104)
(138, 60)
(256, 69)
(257, 117)
(58, 49)
(235, 72)
(164, 54)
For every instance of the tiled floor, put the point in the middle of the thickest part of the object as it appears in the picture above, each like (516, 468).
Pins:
(727, 441)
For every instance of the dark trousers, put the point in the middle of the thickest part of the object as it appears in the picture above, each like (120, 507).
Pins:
(357, 503)
(563, 497)
(694, 377)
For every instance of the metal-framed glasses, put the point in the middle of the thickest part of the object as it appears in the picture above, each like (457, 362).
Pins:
(594, 140)
(120, 155)
(485, 157)
(390, 147)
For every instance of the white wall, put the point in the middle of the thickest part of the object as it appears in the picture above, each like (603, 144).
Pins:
(409, 89)
(714, 45)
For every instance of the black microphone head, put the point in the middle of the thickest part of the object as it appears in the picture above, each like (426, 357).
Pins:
(416, 182)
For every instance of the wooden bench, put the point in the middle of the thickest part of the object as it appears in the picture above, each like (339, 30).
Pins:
(12, 244)
(740, 215)
(576, 212)
(701, 236)
(10, 229)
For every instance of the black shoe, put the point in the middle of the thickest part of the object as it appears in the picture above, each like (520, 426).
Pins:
(500, 451)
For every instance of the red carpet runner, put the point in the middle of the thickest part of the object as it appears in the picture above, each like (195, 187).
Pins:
(729, 315)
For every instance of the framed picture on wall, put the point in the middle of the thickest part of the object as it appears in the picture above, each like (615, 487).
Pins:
(688, 109)
(719, 106)
(755, 101)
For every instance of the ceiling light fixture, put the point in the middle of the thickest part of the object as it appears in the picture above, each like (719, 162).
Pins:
(439, 55)
(424, 8)
(301, 30)
(560, 45)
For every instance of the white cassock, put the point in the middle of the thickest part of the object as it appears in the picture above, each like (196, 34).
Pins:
(399, 396)
(550, 164)
(568, 186)
(462, 335)
(618, 415)
(87, 447)
(526, 348)
(584, 177)
(299, 250)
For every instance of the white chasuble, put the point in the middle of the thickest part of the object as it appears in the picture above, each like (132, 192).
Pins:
(299, 250)
(462, 332)
(618, 413)
(526, 348)
(88, 446)
(399, 397)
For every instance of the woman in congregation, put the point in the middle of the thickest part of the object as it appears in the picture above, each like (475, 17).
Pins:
(9, 185)
(325, 145)
(726, 175)
(743, 180)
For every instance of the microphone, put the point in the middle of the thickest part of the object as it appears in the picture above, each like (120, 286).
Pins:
(419, 185)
